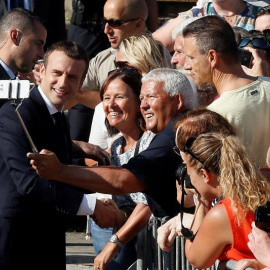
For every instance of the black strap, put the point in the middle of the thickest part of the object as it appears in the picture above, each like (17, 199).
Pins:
(138, 144)
(187, 233)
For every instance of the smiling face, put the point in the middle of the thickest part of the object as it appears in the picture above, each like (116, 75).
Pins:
(120, 105)
(62, 78)
(197, 63)
(157, 107)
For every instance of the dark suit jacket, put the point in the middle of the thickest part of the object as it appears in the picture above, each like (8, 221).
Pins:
(32, 209)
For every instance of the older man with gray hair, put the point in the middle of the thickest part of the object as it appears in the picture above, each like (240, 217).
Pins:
(165, 95)
(178, 58)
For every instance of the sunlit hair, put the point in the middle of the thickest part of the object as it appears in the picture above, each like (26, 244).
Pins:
(200, 121)
(133, 80)
(219, 37)
(239, 179)
(178, 30)
(174, 83)
(71, 49)
(144, 53)
(20, 19)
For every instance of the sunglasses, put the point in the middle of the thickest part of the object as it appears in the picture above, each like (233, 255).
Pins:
(116, 23)
(187, 149)
(125, 71)
(121, 64)
(258, 43)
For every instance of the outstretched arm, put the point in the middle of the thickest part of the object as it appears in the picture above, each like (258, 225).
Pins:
(135, 223)
(104, 179)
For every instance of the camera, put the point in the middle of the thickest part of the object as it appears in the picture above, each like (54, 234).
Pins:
(245, 57)
(14, 89)
(262, 217)
(181, 175)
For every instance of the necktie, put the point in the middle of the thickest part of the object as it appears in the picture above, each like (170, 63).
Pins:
(60, 138)
(58, 121)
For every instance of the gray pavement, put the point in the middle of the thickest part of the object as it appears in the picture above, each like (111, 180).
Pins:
(79, 251)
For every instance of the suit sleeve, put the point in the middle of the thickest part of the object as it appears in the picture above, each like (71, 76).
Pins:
(15, 166)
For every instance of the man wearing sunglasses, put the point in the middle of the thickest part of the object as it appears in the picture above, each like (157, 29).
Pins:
(212, 57)
(122, 19)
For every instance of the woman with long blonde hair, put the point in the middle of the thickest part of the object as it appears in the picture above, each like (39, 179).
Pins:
(220, 168)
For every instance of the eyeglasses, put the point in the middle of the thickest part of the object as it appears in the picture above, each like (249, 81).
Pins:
(121, 64)
(187, 149)
(116, 23)
(125, 71)
(258, 43)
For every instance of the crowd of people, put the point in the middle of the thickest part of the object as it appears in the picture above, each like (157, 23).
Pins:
(113, 115)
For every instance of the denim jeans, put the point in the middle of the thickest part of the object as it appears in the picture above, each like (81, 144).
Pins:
(124, 258)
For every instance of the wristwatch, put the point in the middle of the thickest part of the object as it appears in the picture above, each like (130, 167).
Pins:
(114, 239)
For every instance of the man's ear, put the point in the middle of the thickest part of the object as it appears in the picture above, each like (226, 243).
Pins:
(179, 101)
(140, 25)
(15, 36)
(213, 58)
(42, 71)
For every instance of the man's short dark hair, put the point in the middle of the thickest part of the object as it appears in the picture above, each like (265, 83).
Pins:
(71, 49)
(213, 33)
(263, 11)
(19, 18)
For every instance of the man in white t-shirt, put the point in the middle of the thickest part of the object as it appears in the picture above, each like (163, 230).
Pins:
(212, 57)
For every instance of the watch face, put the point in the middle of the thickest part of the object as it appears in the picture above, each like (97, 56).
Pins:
(113, 238)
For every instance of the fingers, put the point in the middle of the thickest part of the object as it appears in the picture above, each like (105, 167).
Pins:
(38, 156)
(103, 158)
(106, 201)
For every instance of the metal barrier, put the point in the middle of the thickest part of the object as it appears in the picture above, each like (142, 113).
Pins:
(151, 257)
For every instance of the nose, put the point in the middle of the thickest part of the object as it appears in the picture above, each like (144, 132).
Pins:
(144, 104)
(107, 29)
(173, 60)
(109, 102)
(62, 80)
(40, 53)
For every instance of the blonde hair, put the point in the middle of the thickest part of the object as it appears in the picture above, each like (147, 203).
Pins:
(144, 53)
(239, 179)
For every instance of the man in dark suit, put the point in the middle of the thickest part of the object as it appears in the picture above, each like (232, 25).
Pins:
(22, 37)
(32, 209)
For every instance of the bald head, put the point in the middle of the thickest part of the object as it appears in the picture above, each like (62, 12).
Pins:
(125, 18)
(129, 8)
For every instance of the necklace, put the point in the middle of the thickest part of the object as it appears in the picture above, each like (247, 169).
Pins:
(229, 18)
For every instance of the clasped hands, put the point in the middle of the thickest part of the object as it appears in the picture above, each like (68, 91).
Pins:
(107, 214)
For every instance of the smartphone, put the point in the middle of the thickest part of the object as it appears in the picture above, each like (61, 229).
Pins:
(262, 217)
(245, 57)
